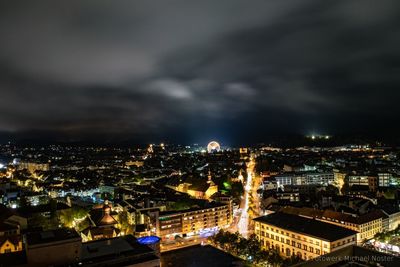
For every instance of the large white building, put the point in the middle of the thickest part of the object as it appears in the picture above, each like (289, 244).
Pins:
(293, 235)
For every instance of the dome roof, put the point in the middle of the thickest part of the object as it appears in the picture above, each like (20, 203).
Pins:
(107, 209)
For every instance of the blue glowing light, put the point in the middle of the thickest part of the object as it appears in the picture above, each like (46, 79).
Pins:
(148, 240)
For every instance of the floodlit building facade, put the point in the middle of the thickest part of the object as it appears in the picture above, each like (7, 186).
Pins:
(194, 221)
(366, 225)
(293, 235)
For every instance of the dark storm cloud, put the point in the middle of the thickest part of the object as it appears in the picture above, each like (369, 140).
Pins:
(187, 68)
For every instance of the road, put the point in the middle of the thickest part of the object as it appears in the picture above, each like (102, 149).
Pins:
(251, 203)
(250, 208)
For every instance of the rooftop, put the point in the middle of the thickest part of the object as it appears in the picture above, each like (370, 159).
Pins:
(7, 227)
(124, 247)
(208, 205)
(199, 256)
(63, 234)
(334, 215)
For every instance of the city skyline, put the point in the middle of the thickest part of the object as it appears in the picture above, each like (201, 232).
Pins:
(199, 133)
(193, 72)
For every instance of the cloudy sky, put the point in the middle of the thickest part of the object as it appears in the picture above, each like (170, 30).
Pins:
(183, 70)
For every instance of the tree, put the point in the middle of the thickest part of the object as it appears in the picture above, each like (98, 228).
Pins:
(180, 205)
(294, 259)
(274, 258)
(220, 238)
(261, 256)
(23, 203)
(123, 222)
(242, 245)
(237, 190)
(82, 225)
(249, 249)
(73, 216)
(345, 188)
(79, 212)
(232, 239)
(40, 221)
(67, 218)
(235, 242)
(332, 189)
(253, 245)
(53, 207)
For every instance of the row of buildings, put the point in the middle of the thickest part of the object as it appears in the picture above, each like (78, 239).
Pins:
(334, 177)
(167, 224)
(309, 233)
(64, 247)
(319, 244)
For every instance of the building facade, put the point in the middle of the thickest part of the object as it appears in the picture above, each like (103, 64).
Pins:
(384, 179)
(293, 235)
(366, 226)
(193, 221)
(305, 178)
(57, 247)
(10, 238)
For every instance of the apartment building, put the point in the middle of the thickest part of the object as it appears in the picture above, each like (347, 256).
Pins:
(194, 221)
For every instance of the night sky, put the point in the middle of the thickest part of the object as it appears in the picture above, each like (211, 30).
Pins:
(190, 71)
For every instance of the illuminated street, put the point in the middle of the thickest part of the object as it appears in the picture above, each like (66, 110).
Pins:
(250, 203)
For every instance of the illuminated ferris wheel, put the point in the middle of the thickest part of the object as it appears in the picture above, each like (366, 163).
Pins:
(213, 146)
